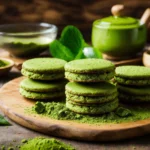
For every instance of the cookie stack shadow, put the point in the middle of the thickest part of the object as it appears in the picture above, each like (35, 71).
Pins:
(89, 91)
(44, 79)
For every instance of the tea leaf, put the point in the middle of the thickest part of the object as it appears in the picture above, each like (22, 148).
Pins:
(72, 38)
(71, 45)
(91, 52)
(58, 50)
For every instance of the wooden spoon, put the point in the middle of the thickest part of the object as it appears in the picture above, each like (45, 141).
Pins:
(118, 10)
(145, 19)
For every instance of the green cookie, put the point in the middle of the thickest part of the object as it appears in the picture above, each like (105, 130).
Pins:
(134, 90)
(93, 77)
(89, 70)
(133, 75)
(41, 95)
(42, 86)
(93, 109)
(90, 99)
(41, 65)
(133, 98)
(134, 93)
(44, 68)
(91, 89)
(90, 65)
(42, 76)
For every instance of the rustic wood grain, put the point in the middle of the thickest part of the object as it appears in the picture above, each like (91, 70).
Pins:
(13, 104)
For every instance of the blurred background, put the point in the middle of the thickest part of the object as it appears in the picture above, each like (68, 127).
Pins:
(80, 13)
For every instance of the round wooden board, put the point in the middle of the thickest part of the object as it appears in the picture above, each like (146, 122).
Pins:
(13, 104)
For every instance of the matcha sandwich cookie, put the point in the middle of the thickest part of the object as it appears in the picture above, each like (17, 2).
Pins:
(44, 68)
(91, 89)
(132, 75)
(42, 95)
(89, 70)
(134, 93)
(39, 90)
(91, 98)
(92, 109)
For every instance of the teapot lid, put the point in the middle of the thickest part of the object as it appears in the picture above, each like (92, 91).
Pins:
(117, 22)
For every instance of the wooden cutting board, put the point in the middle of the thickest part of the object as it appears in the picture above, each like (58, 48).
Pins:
(13, 104)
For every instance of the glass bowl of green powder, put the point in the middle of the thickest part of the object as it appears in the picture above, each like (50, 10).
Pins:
(5, 66)
(27, 39)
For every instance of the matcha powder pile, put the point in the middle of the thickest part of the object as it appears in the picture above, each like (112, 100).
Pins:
(59, 111)
(41, 143)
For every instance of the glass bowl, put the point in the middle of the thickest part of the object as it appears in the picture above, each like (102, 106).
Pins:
(26, 39)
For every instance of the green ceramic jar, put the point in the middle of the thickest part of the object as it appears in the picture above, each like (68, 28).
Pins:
(119, 37)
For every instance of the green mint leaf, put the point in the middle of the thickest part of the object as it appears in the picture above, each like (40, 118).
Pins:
(80, 55)
(90, 52)
(72, 38)
(86, 44)
(3, 121)
(58, 50)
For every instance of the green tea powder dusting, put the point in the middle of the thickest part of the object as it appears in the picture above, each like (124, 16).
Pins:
(41, 143)
(58, 111)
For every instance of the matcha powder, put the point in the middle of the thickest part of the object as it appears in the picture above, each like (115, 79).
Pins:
(2, 64)
(58, 111)
(41, 143)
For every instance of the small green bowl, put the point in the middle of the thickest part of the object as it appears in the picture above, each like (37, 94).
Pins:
(26, 39)
(5, 66)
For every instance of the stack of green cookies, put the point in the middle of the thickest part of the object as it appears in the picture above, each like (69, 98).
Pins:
(89, 91)
(45, 79)
(133, 83)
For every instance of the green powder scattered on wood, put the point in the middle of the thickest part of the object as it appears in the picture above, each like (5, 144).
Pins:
(123, 112)
(24, 141)
(41, 143)
(11, 148)
(2, 147)
(58, 111)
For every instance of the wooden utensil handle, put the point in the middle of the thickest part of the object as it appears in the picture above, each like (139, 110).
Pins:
(117, 10)
(145, 19)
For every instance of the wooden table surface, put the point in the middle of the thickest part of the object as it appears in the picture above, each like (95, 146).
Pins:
(12, 135)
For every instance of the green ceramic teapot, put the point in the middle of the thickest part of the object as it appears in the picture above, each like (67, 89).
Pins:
(120, 37)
